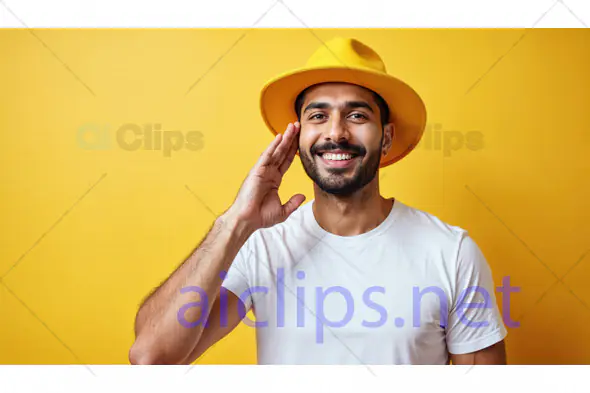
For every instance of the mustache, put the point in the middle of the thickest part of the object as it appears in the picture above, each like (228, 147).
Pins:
(329, 146)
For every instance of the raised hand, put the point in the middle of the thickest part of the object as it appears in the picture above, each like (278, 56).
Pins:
(258, 203)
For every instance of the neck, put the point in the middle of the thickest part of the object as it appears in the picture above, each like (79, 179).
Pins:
(352, 214)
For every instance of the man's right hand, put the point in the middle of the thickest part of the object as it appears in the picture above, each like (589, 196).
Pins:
(257, 203)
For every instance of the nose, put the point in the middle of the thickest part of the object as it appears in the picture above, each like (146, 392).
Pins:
(338, 129)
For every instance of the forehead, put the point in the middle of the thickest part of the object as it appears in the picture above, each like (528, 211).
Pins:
(335, 92)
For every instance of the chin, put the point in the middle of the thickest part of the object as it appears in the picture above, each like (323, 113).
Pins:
(340, 188)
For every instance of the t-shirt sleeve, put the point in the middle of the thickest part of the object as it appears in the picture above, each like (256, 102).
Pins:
(474, 321)
(237, 279)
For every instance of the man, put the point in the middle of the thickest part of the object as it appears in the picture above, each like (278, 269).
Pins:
(349, 278)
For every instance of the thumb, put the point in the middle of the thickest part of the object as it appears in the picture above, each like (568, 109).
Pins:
(292, 204)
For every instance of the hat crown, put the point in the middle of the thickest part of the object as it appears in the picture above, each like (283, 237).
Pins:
(346, 52)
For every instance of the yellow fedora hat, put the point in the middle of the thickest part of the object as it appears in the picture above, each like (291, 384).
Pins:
(348, 60)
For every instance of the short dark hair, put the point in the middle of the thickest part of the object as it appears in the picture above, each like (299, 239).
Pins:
(383, 107)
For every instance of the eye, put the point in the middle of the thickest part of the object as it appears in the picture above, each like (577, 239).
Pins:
(361, 116)
(313, 117)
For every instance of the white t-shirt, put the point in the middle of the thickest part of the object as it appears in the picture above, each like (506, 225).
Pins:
(398, 294)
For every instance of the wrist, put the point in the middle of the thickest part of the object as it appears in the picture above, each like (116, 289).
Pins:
(238, 227)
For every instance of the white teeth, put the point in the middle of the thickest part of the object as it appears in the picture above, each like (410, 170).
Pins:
(336, 157)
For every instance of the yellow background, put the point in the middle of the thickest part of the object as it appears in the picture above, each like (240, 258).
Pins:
(92, 231)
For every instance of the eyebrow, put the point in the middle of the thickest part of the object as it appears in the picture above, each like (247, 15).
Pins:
(347, 105)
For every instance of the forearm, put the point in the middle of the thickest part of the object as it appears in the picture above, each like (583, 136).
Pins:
(162, 338)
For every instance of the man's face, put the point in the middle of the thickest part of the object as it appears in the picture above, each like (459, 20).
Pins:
(340, 139)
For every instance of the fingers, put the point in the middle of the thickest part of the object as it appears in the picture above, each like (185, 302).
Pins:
(281, 147)
(284, 147)
(289, 157)
(266, 156)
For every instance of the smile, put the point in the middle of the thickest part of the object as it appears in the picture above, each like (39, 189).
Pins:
(337, 157)
(337, 160)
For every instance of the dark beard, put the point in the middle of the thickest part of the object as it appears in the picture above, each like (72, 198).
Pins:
(336, 184)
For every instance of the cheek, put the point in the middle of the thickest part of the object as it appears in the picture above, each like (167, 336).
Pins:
(370, 138)
(307, 139)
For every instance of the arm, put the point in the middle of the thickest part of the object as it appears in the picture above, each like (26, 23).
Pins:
(494, 354)
(160, 337)
(475, 331)
(214, 332)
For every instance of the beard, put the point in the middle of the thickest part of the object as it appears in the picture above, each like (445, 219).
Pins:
(335, 181)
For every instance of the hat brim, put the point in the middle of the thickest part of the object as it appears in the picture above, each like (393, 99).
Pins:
(407, 110)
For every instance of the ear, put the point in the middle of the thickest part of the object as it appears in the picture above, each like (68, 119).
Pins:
(388, 136)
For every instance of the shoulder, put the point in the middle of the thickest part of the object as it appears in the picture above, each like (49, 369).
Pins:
(460, 255)
(427, 226)
(464, 254)
(438, 238)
